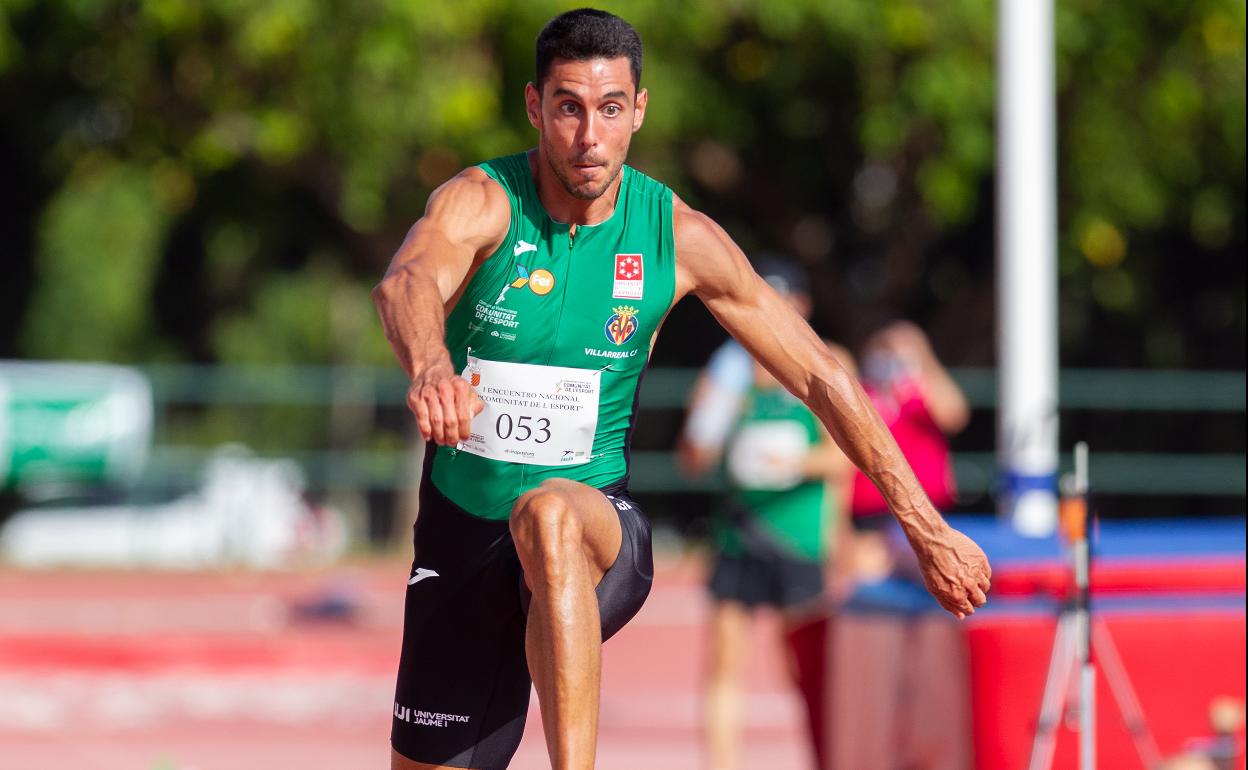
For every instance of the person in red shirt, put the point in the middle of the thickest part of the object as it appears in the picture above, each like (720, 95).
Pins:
(922, 406)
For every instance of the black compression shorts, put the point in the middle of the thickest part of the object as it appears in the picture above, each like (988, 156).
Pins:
(766, 580)
(463, 684)
(764, 570)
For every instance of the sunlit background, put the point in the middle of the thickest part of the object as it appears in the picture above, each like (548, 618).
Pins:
(207, 471)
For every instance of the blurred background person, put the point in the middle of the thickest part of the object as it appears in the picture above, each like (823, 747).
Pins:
(782, 519)
(923, 407)
(781, 522)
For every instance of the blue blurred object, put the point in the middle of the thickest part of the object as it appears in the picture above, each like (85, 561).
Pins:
(1111, 538)
(1170, 540)
(337, 603)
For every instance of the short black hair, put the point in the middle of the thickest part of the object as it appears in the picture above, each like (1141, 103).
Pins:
(585, 34)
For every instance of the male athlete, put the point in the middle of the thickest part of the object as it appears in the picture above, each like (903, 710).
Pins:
(523, 306)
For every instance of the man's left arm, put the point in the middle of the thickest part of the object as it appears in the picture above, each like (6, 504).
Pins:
(712, 267)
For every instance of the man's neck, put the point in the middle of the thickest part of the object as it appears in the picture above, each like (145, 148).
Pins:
(566, 208)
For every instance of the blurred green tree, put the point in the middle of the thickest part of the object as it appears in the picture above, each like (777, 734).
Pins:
(201, 181)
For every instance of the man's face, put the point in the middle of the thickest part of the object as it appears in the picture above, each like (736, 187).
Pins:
(586, 114)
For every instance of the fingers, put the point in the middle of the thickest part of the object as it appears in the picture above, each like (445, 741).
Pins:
(963, 607)
(463, 410)
(437, 417)
(959, 608)
(448, 392)
(962, 598)
(967, 599)
(467, 405)
(444, 410)
(421, 410)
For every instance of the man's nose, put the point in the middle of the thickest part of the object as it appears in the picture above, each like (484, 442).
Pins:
(589, 131)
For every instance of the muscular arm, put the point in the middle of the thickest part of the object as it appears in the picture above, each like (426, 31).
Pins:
(464, 222)
(711, 266)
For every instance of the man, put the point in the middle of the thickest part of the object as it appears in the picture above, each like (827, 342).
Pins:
(523, 307)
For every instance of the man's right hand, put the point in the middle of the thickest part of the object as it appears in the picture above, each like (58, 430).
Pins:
(444, 404)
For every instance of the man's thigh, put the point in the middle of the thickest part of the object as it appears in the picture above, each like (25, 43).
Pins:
(616, 538)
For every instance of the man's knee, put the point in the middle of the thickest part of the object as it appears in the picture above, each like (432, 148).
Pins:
(544, 525)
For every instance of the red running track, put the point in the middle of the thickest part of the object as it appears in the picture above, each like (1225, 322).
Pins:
(214, 671)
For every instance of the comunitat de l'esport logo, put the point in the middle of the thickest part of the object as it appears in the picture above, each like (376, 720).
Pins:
(622, 324)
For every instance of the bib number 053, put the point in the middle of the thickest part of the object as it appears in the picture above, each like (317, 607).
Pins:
(522, 428)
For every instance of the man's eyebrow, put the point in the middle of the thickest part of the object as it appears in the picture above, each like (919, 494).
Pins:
(613, 95)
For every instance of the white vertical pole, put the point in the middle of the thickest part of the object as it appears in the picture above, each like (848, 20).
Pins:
(1026, 267)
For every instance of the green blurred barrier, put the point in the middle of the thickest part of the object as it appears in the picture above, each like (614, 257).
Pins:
(667, 389)
(1135, 473)
(72, 425)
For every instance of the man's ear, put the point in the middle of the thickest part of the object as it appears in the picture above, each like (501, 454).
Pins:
(533, 106)
(639, 111)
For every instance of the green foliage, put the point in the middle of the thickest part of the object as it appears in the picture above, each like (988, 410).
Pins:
(226, 177)
(313, 315)
(99, 240)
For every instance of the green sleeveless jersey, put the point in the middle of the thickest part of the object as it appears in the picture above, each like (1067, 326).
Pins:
(794, 513)
(592, 301)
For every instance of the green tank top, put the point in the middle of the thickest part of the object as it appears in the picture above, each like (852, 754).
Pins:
(592, 301)
(795, 517)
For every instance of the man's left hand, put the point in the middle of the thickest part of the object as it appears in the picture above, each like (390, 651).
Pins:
(956, 572)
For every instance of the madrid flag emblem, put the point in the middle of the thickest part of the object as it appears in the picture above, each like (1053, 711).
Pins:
(629, 280)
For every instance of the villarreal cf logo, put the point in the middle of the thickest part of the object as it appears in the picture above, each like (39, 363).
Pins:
(622, 325)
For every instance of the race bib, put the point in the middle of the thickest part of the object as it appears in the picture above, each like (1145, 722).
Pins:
(768, 455)
(539, 415)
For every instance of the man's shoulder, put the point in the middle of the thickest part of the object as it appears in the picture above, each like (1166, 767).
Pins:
(695, 231)
(472, 187)
(710, 263)
(472, 201)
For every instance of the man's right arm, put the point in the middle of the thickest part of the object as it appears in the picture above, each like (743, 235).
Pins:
(465, 221)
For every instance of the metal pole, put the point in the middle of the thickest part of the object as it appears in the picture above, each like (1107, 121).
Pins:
(1057, 685)
(1083, 615)
(1027, 267)
(1120, 687)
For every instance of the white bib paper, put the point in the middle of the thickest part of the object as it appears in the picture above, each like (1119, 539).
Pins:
(539, 415)
(768, 455)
